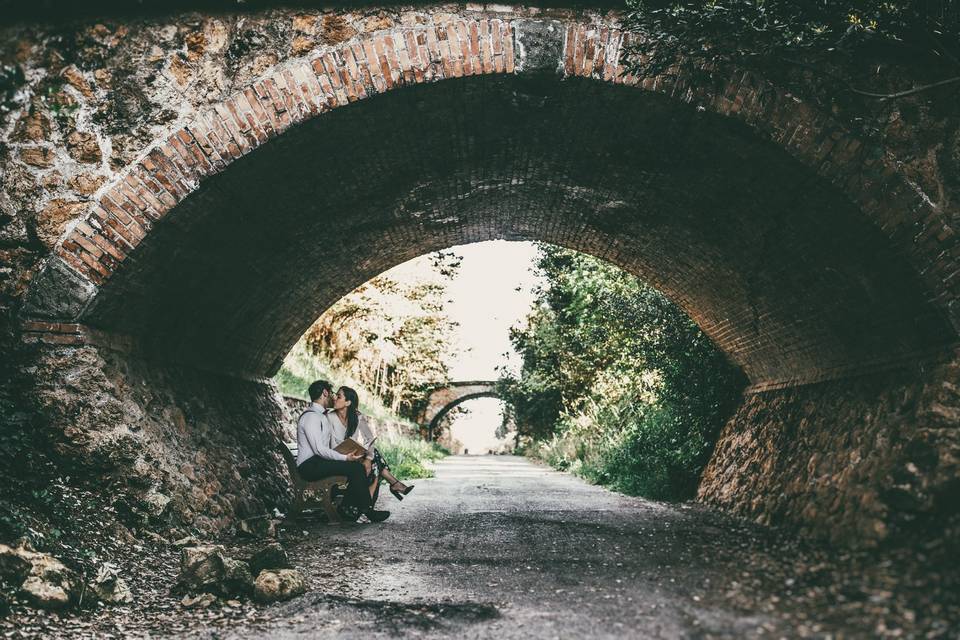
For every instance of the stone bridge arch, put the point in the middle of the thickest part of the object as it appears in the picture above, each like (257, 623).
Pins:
(441, 400)
(160, 196)
(801, 250)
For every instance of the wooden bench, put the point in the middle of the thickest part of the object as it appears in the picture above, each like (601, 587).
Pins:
(310, 495)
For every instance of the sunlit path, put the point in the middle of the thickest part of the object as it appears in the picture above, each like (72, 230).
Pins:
(498, 547)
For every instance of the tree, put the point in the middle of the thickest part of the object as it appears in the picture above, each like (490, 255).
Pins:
(617, 377)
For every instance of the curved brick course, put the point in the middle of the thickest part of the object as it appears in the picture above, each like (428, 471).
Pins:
(457, 46)
(443, 399)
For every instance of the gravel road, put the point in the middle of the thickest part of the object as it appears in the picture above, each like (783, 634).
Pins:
(498, 547)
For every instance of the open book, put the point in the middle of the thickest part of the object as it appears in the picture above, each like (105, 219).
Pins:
(350, 445)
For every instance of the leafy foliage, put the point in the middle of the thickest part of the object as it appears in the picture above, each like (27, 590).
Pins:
(617, 383)
(696, 35)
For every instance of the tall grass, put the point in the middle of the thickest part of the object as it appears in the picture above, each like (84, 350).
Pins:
(409, 456)
(635, 448)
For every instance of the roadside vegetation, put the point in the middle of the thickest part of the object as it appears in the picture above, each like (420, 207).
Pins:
(617, 384)
(409, 456)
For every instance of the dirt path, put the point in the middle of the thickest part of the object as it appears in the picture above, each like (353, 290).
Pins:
(497, 547)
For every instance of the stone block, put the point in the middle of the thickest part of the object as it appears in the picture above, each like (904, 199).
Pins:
(278, 584)
(539, 46)
(58, 293)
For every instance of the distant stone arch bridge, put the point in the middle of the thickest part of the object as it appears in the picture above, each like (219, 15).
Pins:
(444, 398)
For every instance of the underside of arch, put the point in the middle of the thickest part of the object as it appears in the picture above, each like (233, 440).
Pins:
(434, 423)
(775, 264)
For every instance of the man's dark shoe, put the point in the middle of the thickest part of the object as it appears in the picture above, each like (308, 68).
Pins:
(376, 516)
(348, 512)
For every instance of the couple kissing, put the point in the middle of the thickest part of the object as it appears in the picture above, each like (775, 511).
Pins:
(328, 433)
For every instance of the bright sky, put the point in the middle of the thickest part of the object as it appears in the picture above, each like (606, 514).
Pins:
(490, 294)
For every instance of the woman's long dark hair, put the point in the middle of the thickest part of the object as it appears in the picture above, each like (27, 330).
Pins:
(352, 418)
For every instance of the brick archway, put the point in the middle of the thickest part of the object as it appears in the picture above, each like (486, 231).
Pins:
(804, 253)
(179, 174)
(442, 400)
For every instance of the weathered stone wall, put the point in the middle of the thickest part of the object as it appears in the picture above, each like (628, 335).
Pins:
(171, 446)
(859, 461)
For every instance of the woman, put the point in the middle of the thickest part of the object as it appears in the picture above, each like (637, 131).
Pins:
(347, 422)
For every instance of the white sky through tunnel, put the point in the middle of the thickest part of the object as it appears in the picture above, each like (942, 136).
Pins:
(491, 292)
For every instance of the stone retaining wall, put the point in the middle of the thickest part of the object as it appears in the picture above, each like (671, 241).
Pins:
(857, 461)
(172, 446)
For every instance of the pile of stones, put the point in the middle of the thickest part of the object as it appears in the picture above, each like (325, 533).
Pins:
(46, 583)
(207, 573)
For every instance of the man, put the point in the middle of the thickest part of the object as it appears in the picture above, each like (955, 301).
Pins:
(316, 457)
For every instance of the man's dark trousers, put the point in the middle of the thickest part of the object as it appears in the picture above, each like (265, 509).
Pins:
(358, 489)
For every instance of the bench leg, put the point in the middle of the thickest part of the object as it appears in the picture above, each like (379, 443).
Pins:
(296, 507)
(328, 507)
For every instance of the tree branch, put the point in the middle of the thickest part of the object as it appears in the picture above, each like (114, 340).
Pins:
(908, 92)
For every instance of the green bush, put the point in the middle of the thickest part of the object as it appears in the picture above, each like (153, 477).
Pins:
(617, 385)
(635, 448)
(408, 455)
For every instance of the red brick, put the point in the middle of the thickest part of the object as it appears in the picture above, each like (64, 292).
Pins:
(373, 67)
(396, 72)
(123, 232)
(474, 41)
(380, 48)
(148, 191)
(580, 51)
(109, 248)
(508, 55)
(80, 266)
(220, 137)
(60, 339)
(569, 48)
(328, 90)
(37, 325)
(363, 66)
(463, 39)
(226, 124)
(167, 151)
(330, 67)
(485, 54)
(115, 210)
(190, 145)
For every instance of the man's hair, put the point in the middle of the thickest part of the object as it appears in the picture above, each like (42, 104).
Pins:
(316, 389)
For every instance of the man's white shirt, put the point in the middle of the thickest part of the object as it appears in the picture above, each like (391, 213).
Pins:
(315, 436)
